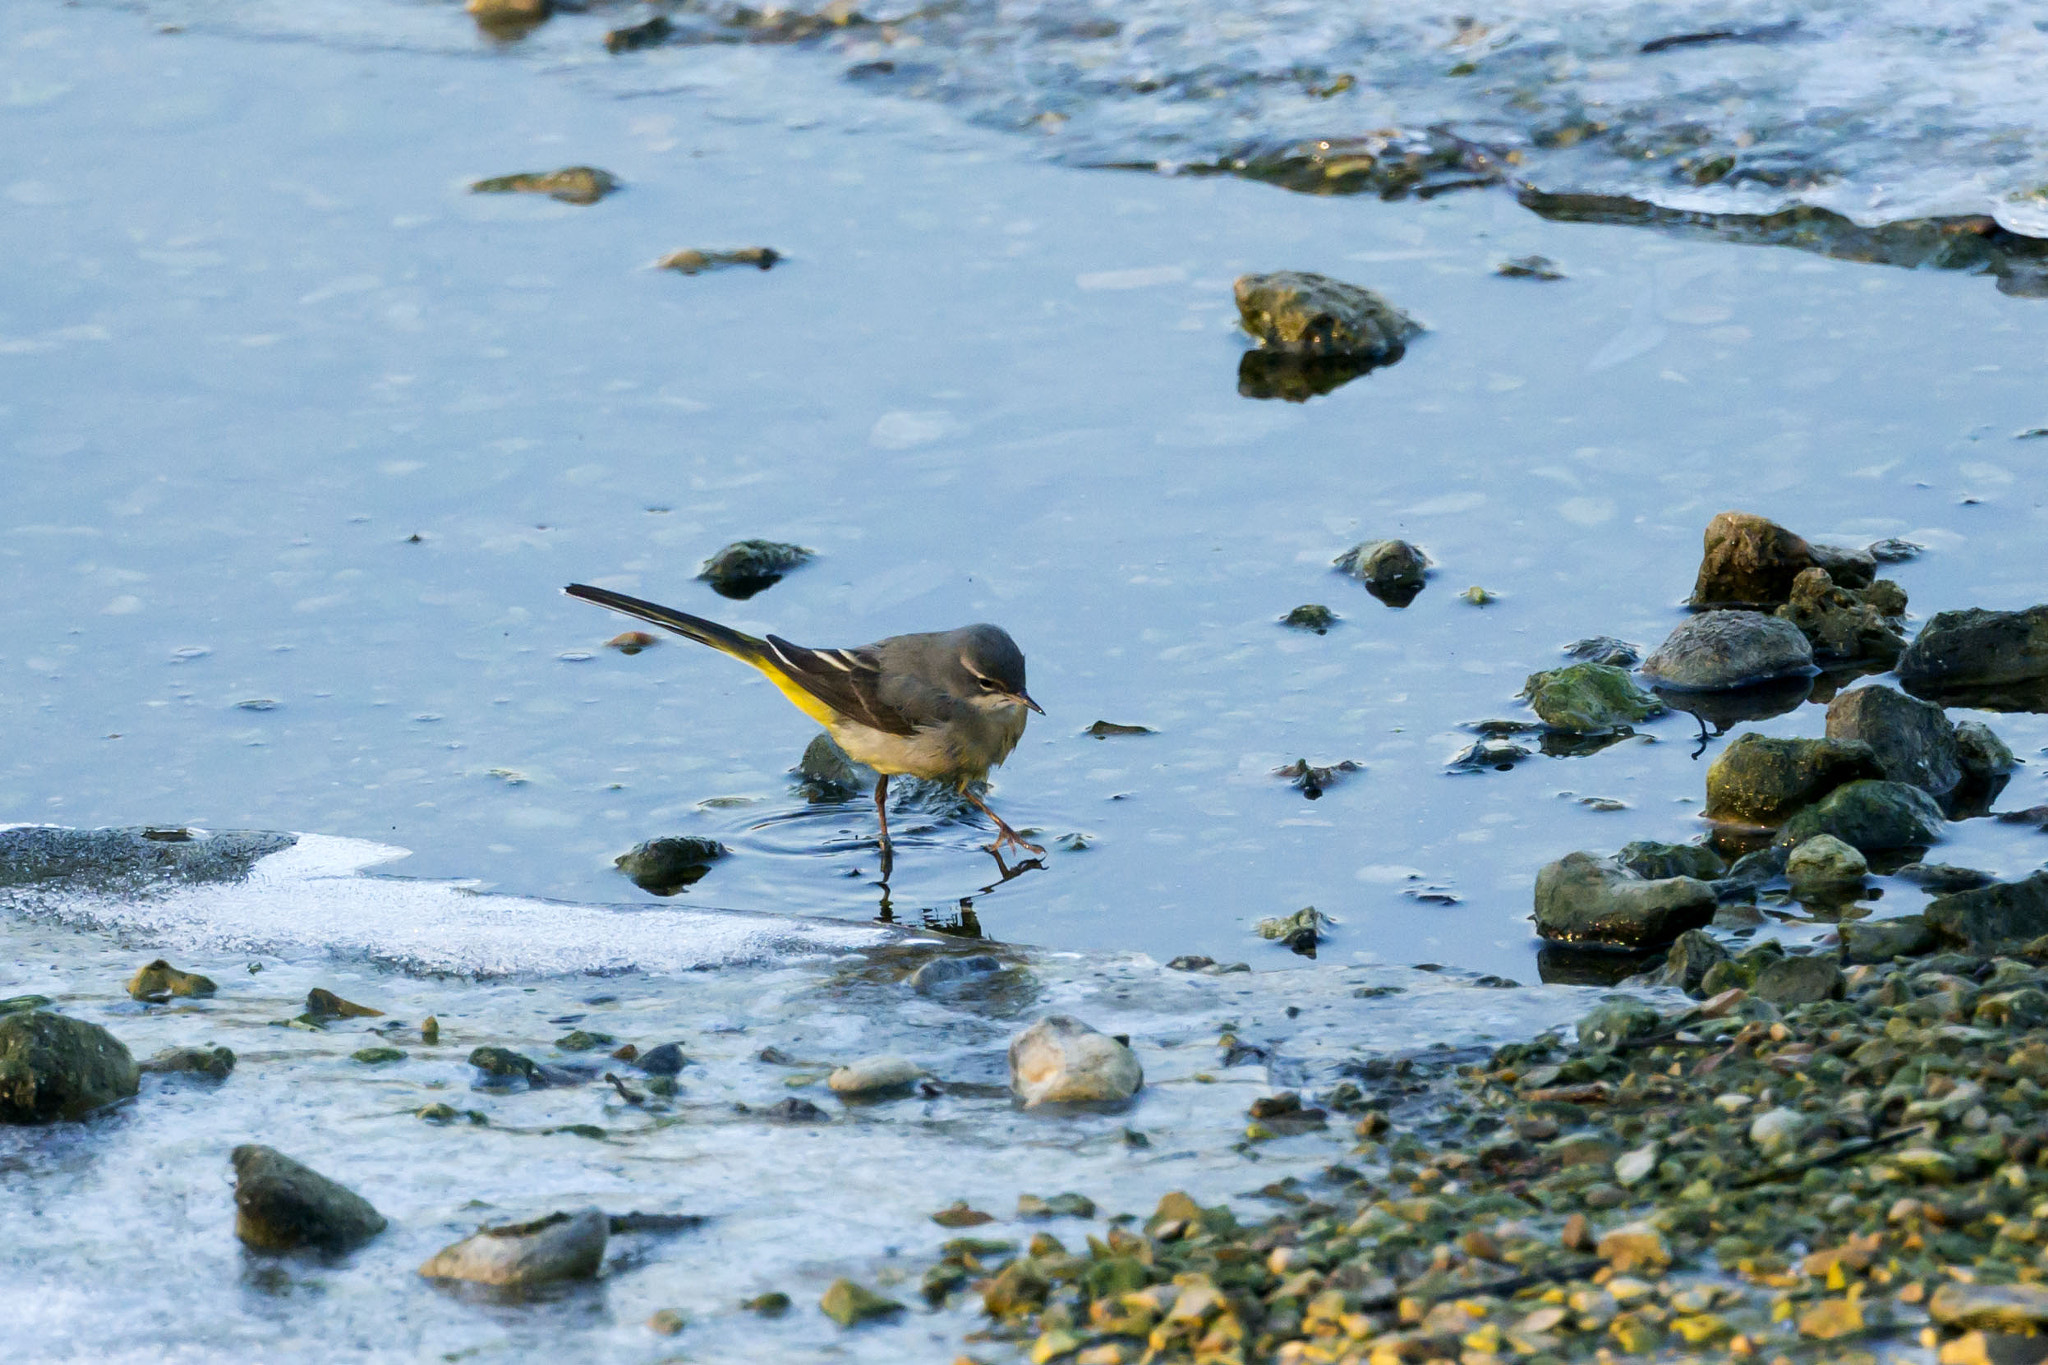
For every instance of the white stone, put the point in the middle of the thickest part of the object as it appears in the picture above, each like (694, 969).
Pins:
(1631, 1167)
(1774, 1130)
(562, 1246)
(872, 1075)
(1060, 1060)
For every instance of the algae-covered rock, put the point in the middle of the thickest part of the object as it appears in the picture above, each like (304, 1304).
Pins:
(54, 1067)
(1911, 739)
(159, 980)
(692, 261)
(1312, 616)
(849, 1304)
(1762, 780)
(1605, 649)
(281, 1205)
(571, 184)
(1825, 870)
(1798, 981)
(1844, 624)
(1392, 570)
(1653, 861)
(550, 1250)
(1872, 816)
(1694, 955)
(503, 1064)
(216, 1062)
(1992, 919)
(1997, 660)
(1748, 561)
(1589, 698)
(1726, 650)
(1313, 315)
(1584, 898)
(666, 866)
(747, 567)
(1060, 1060)
(874, 1077)
(1614, 1021)
(1881, 940)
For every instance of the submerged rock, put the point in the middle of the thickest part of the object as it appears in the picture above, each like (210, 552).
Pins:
(1994, 659)
(1992, 919)
(561, 1246)
(945, 974)
(691, 261)
(1843, 624)
(571, 184)
(747, 567)
(216, 1062)
(1584, 898)
(159, 980)
(1912, 740)
(1314, 315)
(1529, 268)
(1825, 870)
(131, 855)
(869, 1077)
(666, 866)
(1718, 650)
(281, 1205)
(1749, 561)
(1589, 698)
(54, 1067)
(1605, 649)
(1872, 816)
(1761, 780)
(1392, 570)
(1060, 1060)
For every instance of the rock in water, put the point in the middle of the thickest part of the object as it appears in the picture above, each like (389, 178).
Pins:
(665, 866)
(1749, 561)
(1060, 1060)
(1584, 898)
(847, 1303)
(1761, 781)
(1842, 624)
(829, 774)
(1826, 870)
(1313, 315)
(159, 980)
(1983, 754)
(54, 1067)
(691, 261)
(944, 974)
(1589, 698)
(1694, 955)
(1392, 570)
(1718, 650)
(1605, 649)
(216, 1062)
(1653, 861)
(1912, 740)
(1882, 940)
(747, 567)
(1874, 817)
(1993, 919)
(1994, 659)
(281, 1205)
(1849, 567)
(571, 184)
(561, 1246)
(1798, 981)
(322, 1003)
(871, 1077)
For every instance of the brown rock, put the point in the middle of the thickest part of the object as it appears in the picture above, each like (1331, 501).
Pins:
(1749, 561)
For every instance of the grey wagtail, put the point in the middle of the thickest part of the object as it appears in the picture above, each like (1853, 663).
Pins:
(946, 705)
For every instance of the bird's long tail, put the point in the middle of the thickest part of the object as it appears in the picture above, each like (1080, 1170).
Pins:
(724, 639)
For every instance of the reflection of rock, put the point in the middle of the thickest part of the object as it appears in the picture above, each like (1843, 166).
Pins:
(1060, 1060)
(571, 184)
(1871, 816)
(1997, 660)
(1912, 740)
(1565, 964)
(1761, 780)
(1571, 744)
(281, 1205)
(1392, 570)
(1589, 698)
(1717, 650)
(1845, 624)
(1313, 315)
(665, 866)
(1297, 378)
(561, 1246)
(747, 567)
(54, 1067)
(1738, 705)
(1584, 898)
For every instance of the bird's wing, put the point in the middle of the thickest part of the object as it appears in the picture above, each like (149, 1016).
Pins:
(847, 680)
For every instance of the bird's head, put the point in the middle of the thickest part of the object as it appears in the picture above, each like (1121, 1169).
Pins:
(995, 669)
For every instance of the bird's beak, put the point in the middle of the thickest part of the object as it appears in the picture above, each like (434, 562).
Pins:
(1025, 697)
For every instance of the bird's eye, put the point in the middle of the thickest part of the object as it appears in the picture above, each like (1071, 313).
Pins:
(991, 685)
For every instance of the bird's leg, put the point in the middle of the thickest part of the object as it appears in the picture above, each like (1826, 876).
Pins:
(1004, 834)
(882, 814)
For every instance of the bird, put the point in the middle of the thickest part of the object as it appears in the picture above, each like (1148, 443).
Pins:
(944, 705)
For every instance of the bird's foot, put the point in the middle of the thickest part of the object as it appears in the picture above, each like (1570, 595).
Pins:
(1009, 838)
